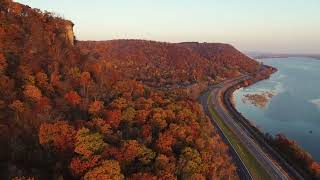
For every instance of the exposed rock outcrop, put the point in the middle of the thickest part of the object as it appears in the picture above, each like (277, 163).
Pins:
(68, 33)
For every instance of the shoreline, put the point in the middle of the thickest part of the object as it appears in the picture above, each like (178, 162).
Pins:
(251, 152)
(316, 57)
(254, 131)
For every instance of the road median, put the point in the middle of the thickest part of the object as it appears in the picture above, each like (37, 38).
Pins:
(255, 169)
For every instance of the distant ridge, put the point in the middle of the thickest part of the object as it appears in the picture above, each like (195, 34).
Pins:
(170, 62)
(261, 55)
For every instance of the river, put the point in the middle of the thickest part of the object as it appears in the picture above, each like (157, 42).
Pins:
(287, 103)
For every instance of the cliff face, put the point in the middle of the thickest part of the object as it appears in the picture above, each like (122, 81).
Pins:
(38, 38)
(26, 23)
(13, 10)
(68, 33)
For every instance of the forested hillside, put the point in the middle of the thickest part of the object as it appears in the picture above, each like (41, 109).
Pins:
(169, 63)
(89, 112)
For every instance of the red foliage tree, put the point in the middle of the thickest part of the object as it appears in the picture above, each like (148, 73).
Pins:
(43, 105)
(165, 166)
(315, 167)
(139, 176)
(113, 153)
(142, 116)
(113, 118)
(3, 63)
(96, 107)
(165, 142)
(131, 149)
(73, 98)
(142, 103)
(79, 166)
(146, 132)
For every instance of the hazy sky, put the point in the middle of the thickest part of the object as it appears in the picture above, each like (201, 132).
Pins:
(250, 25)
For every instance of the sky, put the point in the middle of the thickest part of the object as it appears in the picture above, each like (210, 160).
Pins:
(278, 26)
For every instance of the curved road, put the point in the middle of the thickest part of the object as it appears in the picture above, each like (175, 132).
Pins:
(271, 167)
(242, 171)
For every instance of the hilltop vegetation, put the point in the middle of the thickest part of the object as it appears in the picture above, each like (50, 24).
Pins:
(94, 109)
(168, 64)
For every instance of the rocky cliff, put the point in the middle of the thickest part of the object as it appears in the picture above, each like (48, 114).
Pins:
(30, 36)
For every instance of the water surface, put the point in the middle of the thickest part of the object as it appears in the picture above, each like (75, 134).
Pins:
(294, 109)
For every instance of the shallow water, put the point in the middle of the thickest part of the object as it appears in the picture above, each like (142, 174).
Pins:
(294, 110)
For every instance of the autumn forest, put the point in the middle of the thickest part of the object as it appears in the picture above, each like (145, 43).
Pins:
(120, 109)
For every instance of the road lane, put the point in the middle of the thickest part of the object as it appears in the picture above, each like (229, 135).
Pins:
(271, 167)
(242, 170)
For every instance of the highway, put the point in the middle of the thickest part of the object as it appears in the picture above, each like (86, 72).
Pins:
(271, 167)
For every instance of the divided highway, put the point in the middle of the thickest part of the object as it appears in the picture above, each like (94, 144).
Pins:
(216, 94)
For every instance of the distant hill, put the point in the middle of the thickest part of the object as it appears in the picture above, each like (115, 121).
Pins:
(225, 55)
(170, 63)
(260, 55)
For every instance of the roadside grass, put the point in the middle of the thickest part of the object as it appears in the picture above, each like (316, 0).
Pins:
(256, 170)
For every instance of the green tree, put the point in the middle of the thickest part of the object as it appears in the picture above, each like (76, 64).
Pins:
(89, 143)
(190, 163)
(128, 115)
(146, 156)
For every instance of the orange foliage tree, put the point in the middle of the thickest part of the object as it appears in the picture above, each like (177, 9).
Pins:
(113, 118)
(109, 169)
(96, 107)
(32, 92)
(59, 136)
